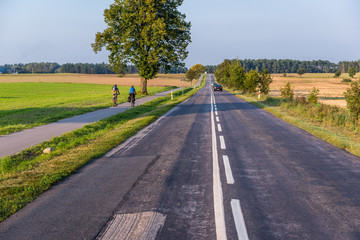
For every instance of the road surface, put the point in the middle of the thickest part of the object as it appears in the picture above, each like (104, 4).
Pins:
(215, 167)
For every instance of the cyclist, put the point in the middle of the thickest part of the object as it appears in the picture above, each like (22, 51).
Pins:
(132, 93)
(115, 93)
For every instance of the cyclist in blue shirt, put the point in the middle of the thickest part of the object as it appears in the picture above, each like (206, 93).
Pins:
(132, 93)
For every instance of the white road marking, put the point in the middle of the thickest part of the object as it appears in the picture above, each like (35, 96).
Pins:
(222, 142)
(216, 113)
(217, 119)
(228, 171)
(239, 220)
(215, 108)
(217, 189)
(219, 127)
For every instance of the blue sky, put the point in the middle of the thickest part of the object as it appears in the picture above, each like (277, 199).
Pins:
(62, 30)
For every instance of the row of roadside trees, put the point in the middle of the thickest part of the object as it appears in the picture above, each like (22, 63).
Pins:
(233, 75)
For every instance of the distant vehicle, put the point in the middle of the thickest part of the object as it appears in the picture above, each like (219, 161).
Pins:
(217, 87)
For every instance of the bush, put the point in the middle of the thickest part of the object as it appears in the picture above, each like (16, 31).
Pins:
(287, 92)
(338, 73)
(313, 96)
(352, 96)
(346, 80)
(352, 72)
(264, 81)
(301, 71)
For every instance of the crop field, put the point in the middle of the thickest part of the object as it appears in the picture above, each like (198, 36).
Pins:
(161, 81)
(331, 88)
(28, 104)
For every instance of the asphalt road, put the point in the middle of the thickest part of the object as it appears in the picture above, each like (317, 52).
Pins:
(215, 167)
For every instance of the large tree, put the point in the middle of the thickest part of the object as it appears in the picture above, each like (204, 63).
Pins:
(195, 72)
(147, 33)
(198, 69)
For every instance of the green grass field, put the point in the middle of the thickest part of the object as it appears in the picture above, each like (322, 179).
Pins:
(25, 105)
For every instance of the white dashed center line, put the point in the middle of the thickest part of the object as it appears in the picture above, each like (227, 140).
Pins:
(222, 142)
(217, 189)
(219, 127)
(218, 194)
(228, 171)
(239, 220)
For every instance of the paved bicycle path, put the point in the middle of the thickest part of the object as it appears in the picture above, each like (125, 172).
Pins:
(16, 142)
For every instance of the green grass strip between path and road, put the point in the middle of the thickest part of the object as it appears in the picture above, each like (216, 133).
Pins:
(26, 175)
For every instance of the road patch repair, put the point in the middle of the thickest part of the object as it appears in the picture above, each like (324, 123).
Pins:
(144, 225)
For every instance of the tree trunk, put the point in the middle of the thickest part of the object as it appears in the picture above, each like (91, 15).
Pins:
(144, 86)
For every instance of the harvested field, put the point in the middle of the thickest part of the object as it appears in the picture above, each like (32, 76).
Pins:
(161, 81)
(331, 88)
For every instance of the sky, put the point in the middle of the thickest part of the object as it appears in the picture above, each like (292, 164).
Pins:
(62, 30)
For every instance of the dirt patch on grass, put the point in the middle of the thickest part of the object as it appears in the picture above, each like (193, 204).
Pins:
(160, 81)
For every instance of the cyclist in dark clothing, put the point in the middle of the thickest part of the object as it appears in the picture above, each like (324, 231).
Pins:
(115, 91)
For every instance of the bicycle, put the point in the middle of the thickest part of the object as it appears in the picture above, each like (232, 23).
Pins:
(115, 100)
(132, 100)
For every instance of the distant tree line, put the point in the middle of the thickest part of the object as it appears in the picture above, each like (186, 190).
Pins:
(345, 66)
(83, 68)
(293, 66)
(273, 66)
(289, 66)
(210, 68)
(30, 68)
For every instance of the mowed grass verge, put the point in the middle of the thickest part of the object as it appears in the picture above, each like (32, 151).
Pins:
(26, 175)
(332, 124)
(29, 104)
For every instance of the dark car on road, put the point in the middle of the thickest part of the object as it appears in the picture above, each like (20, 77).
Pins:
(217, 87)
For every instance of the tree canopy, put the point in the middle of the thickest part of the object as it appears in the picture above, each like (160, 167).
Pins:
(195, 72)
(147, 33)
